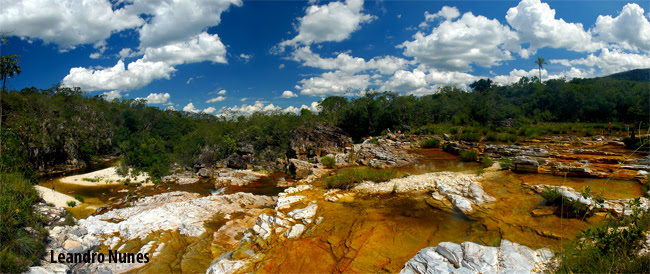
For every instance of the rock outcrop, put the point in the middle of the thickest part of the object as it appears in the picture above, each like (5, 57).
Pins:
(459, 191)
(236, 177)
(386, 154)
(181, 211)
(469, 257)
(318, 141)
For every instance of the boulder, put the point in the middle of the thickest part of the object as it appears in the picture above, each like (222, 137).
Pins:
(317, 141)
(470, 257)
(525, 164)
(295, 231)
(300, 169)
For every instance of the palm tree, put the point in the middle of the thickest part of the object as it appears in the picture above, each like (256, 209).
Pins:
(540, 62)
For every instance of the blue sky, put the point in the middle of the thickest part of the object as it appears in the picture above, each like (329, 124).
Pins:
(224, 56)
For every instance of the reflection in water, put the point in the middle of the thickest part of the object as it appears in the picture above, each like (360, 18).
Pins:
(608, 188)
(435, 160)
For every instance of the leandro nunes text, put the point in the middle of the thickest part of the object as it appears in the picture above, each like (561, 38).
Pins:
(92, 257)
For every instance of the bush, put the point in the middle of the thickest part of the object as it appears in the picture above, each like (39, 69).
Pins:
(348, 178)
(430, 143)
(611, 248)
(18, 249)
(328, 161)
(491, 137)
(468, 156)
(72, 203)
(507, 137)
(79, 198)
(486, 161)
(570, 208)
(469, 137)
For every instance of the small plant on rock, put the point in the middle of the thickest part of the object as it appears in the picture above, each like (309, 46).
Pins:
(328, 161)
(72, 203)
(79, 198)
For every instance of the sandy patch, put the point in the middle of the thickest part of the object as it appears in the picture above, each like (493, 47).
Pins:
(102, 177)
(57, 198)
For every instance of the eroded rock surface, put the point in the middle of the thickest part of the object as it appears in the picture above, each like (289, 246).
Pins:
(460, 191)
(470, 257)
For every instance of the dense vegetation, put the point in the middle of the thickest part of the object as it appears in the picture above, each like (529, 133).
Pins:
(62, 126)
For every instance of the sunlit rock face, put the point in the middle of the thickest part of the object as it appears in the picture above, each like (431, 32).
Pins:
(470, 257)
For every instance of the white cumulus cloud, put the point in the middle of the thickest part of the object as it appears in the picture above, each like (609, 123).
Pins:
(157, 98)
(288, 94)
(536, 24)
(119, 77)
(454, 45)
(345, 62)
(216, 99)
(67, 23)
(611, 61)
(630, 28)
(332, 22)
(333, 83)
(198, 48)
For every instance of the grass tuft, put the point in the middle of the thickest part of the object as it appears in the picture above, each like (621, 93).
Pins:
(348, 178)
(430, 143)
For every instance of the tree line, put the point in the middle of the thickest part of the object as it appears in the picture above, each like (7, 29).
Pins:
(59, 126)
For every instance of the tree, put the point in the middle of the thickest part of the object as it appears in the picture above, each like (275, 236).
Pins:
(540, 62)
(8, 69)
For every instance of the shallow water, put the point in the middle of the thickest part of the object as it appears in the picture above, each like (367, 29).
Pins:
(434, 160)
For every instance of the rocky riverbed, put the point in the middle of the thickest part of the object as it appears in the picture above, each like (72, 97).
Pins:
(444, 219)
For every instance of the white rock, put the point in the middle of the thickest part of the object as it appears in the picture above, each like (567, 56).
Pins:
(304, 213)
(295, 231)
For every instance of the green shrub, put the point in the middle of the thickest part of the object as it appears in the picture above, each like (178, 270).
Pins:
(491, 137)
(18, 249)
(589, 132)
(570, 208)
(507, 137)
(348, 178)
(374, 141)
(612, 247)
(79, 198)
(486, 161)
(72, 203)
(468, 136)
(328, 161)
(468, 156)
(430, 143)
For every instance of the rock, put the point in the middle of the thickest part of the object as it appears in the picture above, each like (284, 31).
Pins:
(461, 190)
(54, 216)
(546, 211)
(306, 213)
(295, 231)
(300, 169)
(525, 164)
(234, 177)
(286, 201)
(384, 155)
(427, 261)
(455, 147)
(567, 192)
(317, 141)
(469, 257)
(183, 178)
(514, 150)
(72, 246)
(205, 173)
(451, 251)
(641, 175)
(480, 258)
(223, 265)
(181, 211)
(461, 203)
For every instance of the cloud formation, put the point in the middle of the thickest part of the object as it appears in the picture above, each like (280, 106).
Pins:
(332, 22)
